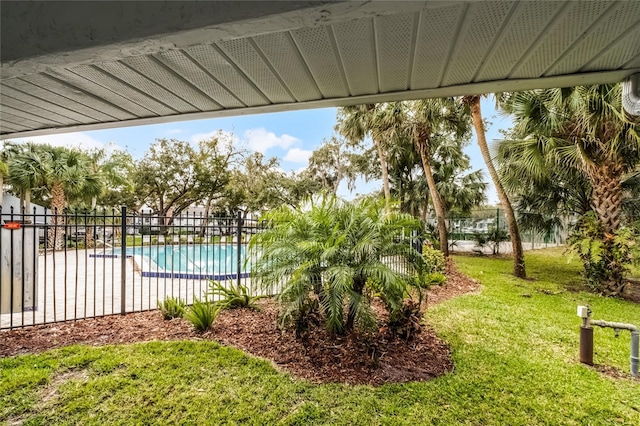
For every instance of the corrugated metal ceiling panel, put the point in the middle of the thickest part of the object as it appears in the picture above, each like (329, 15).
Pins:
(364, 53)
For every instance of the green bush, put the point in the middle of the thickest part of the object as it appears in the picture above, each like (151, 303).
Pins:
(329, 250)
(231, 297)
(434, 260)
(434, 278)
(201, 314)
(495, 237)
(606, 257)
(480, 239)
(171, 308)
(405, 321)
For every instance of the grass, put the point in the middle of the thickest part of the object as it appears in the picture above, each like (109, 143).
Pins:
(514, 345)
(635, 271)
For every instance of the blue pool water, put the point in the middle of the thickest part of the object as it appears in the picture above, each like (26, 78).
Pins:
(196, 261)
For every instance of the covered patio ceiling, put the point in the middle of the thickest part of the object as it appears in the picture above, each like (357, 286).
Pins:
(90, 65)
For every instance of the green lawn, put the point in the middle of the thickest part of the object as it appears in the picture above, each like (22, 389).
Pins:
(515, 349)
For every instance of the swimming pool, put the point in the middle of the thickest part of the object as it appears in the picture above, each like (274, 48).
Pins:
(193, 261)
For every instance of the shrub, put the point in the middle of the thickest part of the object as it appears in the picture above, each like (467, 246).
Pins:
(605, 257)
(433, 260)
(201, 314)
(434, 278)
(481, 240)
(495, 237)
(232, 297)
(405, 321)
(171, 308)
(330, 250)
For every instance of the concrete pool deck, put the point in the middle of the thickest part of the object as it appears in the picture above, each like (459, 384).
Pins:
(77, 286)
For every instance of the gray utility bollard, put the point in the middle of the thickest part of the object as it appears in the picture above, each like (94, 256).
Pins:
(586, 337)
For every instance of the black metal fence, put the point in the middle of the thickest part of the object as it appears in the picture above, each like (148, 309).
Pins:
(61, 267)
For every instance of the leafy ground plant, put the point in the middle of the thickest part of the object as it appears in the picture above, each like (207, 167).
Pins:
(201, 314)
(329, 250)
(172, 307)
(606, 257)
(232, 296)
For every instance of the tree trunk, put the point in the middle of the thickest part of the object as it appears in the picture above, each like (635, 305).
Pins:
(385, 175)
(27, 201)
(606, 201)
(358, 287)
(516, 241)
(90, 231)
(606, 196)
(57, 232)
(422, 146)
(204, 221)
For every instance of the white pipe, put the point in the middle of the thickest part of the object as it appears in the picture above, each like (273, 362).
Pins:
(631, 94)
(635, 340)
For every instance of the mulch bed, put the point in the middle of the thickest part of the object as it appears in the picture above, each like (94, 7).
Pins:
(321, 359)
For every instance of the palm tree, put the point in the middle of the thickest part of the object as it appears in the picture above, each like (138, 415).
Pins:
(544, 196)
(473, 103)
(424, 120)
(26, 171)
(459, 189)
(359, 121)
(67, 176)
(326, 253)
(584, 128)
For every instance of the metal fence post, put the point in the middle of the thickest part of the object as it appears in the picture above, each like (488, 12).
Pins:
(238, 246)
(123, 261)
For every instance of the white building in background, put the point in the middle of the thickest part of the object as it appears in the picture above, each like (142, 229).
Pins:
(11, 201)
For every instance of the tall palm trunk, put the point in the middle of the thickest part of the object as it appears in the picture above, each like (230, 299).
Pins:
(421, 141)
(607, 195)
(27, 200)
(516, 241)
(606, 200)
(385, 174)
(90, 231)
(57, 231)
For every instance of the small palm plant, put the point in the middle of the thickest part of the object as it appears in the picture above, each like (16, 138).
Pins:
(201, 314)
(232, 297)
(327, 252)
(172, 307)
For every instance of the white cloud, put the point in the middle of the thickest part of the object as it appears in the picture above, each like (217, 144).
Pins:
(255, 140)
(71, 140)
(297, 155)
(261, 140)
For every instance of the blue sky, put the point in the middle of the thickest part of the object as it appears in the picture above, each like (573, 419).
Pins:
(290, 136)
